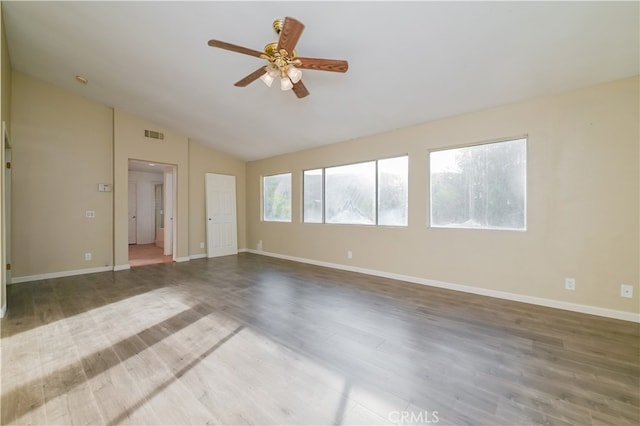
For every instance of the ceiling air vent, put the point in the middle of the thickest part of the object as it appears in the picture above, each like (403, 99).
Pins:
(153, 134)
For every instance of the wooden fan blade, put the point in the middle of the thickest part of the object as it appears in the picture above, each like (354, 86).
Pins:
(334, 65)
(234, 48)
(300, 90)
(251, 77)
(290, 34)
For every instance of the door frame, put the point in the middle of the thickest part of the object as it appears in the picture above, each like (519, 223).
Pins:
(133, 185)
(167, 169)
(5, 218)
(169, 200)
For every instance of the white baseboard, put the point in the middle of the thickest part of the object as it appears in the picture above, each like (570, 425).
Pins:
(17, 280)
(121, 267)
(3, 310)
(568, 306)
(204, 255)
(244, 250)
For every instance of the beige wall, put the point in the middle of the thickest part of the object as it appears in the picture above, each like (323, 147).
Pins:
(193, 160)
(583, 198)
(62, 149)
(6, 76)
(64, 145)
(130, 143)
(203, 160)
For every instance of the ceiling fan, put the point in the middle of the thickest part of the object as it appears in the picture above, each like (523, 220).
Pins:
(281, 58)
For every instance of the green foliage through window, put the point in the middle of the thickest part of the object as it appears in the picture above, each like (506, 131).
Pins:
(277, 198)
(482, 186)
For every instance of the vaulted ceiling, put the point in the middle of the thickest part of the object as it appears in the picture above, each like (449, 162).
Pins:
(409, 62)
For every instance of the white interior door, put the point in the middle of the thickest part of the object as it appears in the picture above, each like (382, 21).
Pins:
(169, 211)
(133, 213)
(222, 224)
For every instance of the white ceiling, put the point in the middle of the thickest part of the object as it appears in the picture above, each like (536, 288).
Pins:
(409, 62)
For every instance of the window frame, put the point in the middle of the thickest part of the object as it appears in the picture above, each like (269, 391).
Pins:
(375, 196)
(322, 219)
(376, 193)
(524, 137)
(263, 197)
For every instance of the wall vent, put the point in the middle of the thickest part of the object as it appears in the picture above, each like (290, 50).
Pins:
(153, 134)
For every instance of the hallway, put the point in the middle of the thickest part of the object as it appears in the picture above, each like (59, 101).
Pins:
(147, 254)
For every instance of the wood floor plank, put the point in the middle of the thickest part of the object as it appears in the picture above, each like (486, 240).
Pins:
(253, 340)
(525, 415)
(67, 395)
(169, 400)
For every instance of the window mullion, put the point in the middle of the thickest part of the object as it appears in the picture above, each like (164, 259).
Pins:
(323, 196)
(377, 195)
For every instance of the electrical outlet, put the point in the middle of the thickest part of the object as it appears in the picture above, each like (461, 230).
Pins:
(626, 290)
(87, 256)
(570, 283)
(90, 214)
(201, 245)
(349, 254)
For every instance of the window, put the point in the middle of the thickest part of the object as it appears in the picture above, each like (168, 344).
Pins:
(482, 186)
(277, 198)
(351, 194)
(369, 193)
(393, 198)
(313, 188)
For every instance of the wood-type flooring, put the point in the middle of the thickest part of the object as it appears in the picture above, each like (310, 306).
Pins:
(249, 339)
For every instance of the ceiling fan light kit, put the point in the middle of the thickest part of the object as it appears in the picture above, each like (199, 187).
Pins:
(285, 83)
(267, 79)
(282, 61)
(294, 74)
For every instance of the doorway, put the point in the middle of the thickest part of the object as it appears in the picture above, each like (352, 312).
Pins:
(151, 211)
